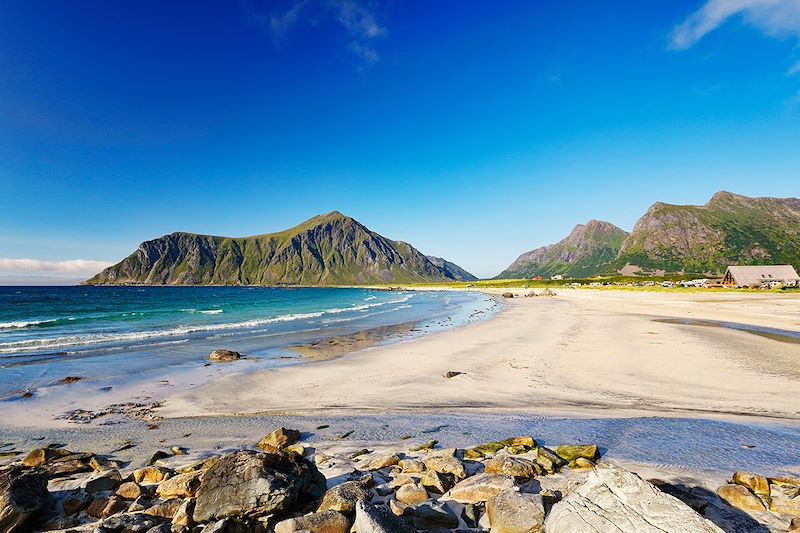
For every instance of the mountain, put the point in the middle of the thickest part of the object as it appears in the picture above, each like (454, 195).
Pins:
(452, 270)
(587, 251)
(729, 229)
(330, 249)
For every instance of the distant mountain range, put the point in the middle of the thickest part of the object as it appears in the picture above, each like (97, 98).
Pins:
(330, 249)
(729, 229)
(590, 248)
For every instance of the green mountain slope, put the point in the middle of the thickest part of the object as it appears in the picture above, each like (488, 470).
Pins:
(452, 270)
(587, 251)
(329, 249)
(729, 229)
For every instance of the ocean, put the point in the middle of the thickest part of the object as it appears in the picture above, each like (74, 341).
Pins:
(105, 335)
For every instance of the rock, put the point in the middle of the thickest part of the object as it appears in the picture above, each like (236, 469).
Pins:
(40, 456)
(370, 519)
(278, 439)
(549, 460)
(570, 453)
(106, 506)
(157, 456)
(411, 494)
(151, 474)
(740, 497)
(183, 516)
(434, 481)
(516, 512)
(249, 485)
(98, 464)
(759, 485)
(794, 525)
(547, 292)
(130, 490)
(480, 488)
(411, 466)
(140, 504)
(295, 448)
(512, 466)
(431, 444)
(224, 356)
(164, 509)
(445, 462)
(343, 497)
(399, 481)
(128, 523)
(471, 515)
(324, 522)
(452, 373)
(397, 508)
(432, 516)
(23, 496)
(784, 499)
(102, 481)
(581, 463)
(383, 461)
(180, 486)
(76, 502)
(216, 527)
(684, 494)
(613, 499)
(55, 468)
(508, 295)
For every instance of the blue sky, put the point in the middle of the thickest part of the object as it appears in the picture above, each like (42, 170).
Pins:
(475, 131)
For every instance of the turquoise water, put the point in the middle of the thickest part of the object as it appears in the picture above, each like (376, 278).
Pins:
(107, 333)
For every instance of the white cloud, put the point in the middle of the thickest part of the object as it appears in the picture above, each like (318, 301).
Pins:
(776, 18)
(20, 271)
(794, 69)
(353, 16)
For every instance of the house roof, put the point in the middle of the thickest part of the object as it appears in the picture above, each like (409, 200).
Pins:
(757, 274)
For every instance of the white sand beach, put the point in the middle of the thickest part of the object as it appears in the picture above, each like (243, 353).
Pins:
(588, 353)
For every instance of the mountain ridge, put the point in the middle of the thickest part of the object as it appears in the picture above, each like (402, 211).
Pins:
(328, 249)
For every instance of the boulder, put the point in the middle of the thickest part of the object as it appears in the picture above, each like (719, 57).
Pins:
(183, 516)
(278, 440)
(435, 482)
(480, 488)
(371, 519)
(516, 512)
(384, 461)
(324, 522)
(247, 484)
(784, 498)
(180, 486)
(432, 516)
(224, 356)
(400, 480)
(548, 460)
(794, 525)
(106, 506)
(411, 466)
(759, 485)
(128, 523)
(411, 494)
(586, 451)
(23, 496)
(343, 497)
(164, 509)
(547, 292)
(508, 295)
(445, 462)
(102, 481)
(151, 474)
(40, 456)
(740, 497)
(76, 501)
(130, 490)
(512, 466)
(613, 499)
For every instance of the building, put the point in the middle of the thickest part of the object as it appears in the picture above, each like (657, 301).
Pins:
(761, 275)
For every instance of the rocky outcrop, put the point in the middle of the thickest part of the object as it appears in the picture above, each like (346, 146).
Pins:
(224, 356)
(249, 485)
(330, 249)
(452, 270)
(23, 496)
(613, 499)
